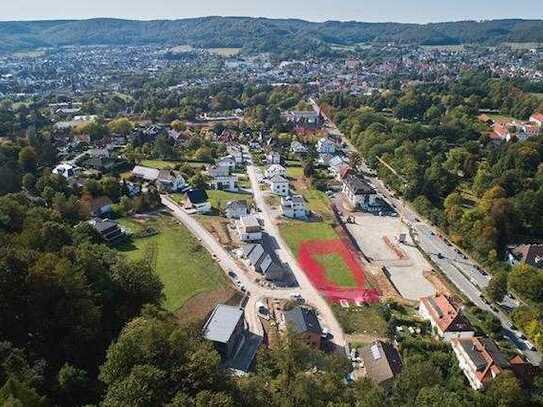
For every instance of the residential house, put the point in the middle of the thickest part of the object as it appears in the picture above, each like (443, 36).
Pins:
(165, 180)
(381, 361)
(324, 159)
(275, 169)
(236, 209)
(524, 371)
(359, 193)
(235, 151)
(108, 230)
(298, 148)
(344, 171)
(99, 206)
(480, 360)
(445, 318)
(227, 161)
(197, 200)
(326, 146)
(226, 329)
(221, 178)
(531, 254)
(304, 119)
(294, 207)
(249, 228)
(66, 170)
(279, 185)
(146, 173)
(500, 132)
(537, 119)
(264, 262)
(273, 157)
(170, 181)
(335, 164)
(305, 325)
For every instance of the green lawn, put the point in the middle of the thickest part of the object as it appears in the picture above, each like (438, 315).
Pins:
(219, 199)
(336, 270)
(319, 203)
(295, 172)
(160, 164)
(183, 265)
(296, 232)
(366, 320)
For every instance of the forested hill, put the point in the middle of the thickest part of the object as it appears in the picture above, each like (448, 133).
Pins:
(259, 33)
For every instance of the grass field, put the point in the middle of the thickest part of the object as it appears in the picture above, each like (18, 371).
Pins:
(296, 232)
(224, 52)
(366, 320)
(319, 203)
(336, 270)
(184, 267)
(295, 172)
(219, 199)
(160, 164)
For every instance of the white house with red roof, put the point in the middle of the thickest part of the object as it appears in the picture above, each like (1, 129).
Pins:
(446, 319)
(537, 119)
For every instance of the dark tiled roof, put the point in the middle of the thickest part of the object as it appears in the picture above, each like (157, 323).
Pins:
(303, 320)
(197, 196)
(381, 361)
(358, 185)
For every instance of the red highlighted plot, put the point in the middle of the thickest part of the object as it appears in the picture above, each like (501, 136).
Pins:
(307, 257)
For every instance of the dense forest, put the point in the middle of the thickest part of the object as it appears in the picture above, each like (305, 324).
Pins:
(260, 34)
(484, 195)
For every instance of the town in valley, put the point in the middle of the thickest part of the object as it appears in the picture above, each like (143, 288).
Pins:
(349, 223)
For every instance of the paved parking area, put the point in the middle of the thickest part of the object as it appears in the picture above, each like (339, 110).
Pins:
(378, 237)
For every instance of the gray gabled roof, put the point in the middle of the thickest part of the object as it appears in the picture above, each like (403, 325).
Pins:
(303, 320)
(256, 254)
(358, 185)
(221, 324)
(277, 179)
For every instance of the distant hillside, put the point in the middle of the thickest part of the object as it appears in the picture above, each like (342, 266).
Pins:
(259, 33)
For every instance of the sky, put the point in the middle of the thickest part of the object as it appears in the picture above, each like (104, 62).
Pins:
(416, 11)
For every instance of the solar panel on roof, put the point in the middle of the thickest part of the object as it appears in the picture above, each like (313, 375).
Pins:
(375, 352)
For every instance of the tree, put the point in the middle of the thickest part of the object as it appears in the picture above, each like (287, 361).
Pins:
(505, 391)
(29, 181)
(73, 384)
(178, 125)
(121, 126)
(199, 181)
(527, 282)
(497, 287)
(28, 159)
